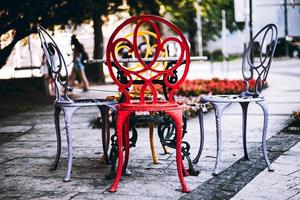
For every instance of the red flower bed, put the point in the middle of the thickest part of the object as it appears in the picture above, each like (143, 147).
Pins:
(190, 91)
(213, 86)
(193, 88)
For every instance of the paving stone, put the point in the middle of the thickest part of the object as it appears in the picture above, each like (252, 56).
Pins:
(235, 179)
(284, 184)
(15, 129)
(25, 194)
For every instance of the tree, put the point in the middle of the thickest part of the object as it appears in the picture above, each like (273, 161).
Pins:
(184, 13)
(95, 9)
(137, 7)
(212, 18)
(23, 16)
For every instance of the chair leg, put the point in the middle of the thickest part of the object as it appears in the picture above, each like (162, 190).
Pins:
(265, 109)
(113, 155)
(126, 147)
(244, 106)
(184, 170)
(104, 110)
(196, 160)
(166, 149)
(122, 116)
(57, 111)
(219, 108)
(160, 130)
(177, 117)
(154, 156)
(68, 113)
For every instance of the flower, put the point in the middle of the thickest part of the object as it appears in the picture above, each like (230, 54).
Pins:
(213, 86)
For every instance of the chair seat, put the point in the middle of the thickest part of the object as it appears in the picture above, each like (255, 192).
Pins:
(84, 103)
(230, 98)
(149, 106)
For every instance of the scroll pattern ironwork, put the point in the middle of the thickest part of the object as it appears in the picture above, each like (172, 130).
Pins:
(257, 59)
(147, 71)
(56, 64)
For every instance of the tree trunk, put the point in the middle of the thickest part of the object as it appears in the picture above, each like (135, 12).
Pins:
(95, 71)
(192, 35)
(6, 51)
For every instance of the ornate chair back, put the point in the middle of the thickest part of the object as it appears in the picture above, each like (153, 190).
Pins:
(146, 49)
(56, 63)
(257, 59)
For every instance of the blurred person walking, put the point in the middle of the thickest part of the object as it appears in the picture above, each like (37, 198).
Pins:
(48, 81)
(79, 55)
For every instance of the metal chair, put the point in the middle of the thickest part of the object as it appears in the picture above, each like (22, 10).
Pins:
(124, 52)
(63, 103)
(256, 63)
(150, 74)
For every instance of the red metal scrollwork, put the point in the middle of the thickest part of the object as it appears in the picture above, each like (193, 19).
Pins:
(148, 67)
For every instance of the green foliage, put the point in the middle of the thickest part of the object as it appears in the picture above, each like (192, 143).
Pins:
(217, 55)
(183, 13)
(138, 7)
(23, 16)
(212, 15)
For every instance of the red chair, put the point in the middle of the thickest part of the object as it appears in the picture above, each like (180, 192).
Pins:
(152, 75)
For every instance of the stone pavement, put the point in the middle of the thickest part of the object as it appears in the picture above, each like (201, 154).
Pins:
(28, 145)
(284, 183)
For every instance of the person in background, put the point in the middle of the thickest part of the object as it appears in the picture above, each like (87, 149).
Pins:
(48, 81)
(79, 55)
